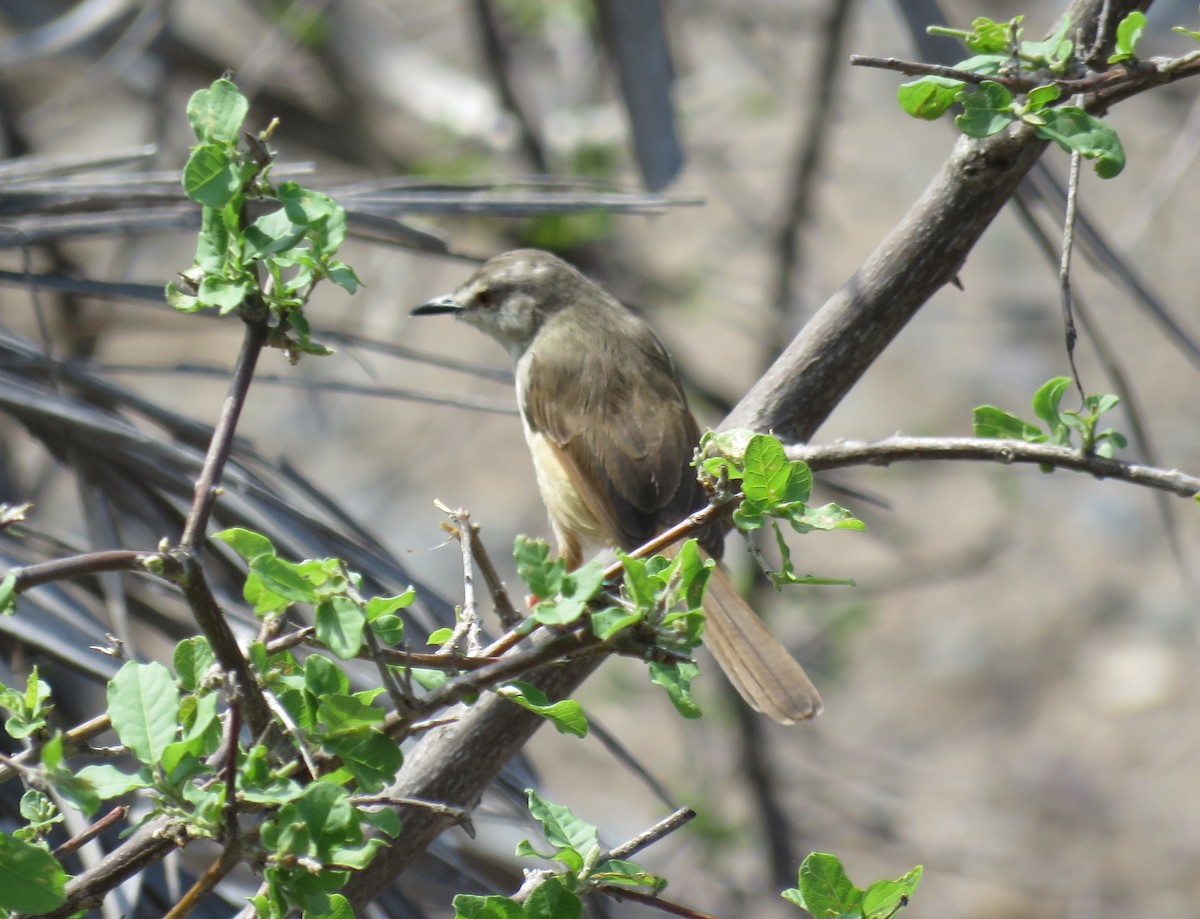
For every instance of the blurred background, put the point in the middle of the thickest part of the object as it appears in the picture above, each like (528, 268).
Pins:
(1009, 692)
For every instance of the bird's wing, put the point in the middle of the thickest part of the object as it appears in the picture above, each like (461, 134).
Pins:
(617, 416)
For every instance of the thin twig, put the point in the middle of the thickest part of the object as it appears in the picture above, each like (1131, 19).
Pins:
(467, 627)
(918, 449)
(663, 828)
(76, 566)
(1064, 270)
(501, 602)
(222, 438)
(113, 817)
(233, 727)
(652, 900)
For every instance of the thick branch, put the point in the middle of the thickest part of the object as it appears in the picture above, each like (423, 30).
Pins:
(924, 252)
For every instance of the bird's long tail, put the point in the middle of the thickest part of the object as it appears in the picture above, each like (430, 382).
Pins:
(756, 662)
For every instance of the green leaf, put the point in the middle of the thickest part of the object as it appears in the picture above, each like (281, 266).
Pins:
(469, 906)
(986, 111)
(1077, 131)
(285, 579)
(340, 712)
(31, 879)
(369, 755)
(1045, 405)
(210, 177)
(639, 587)
(824, 890)
(110, 782)
(566, 715)
(322, 677)
(612, 619)
(883, 898)
(8, 592)
(1054, 53)
(541, 574)
(339, 626)
(561, 827)
(217, 113)
(620, 871)
(928, 97)
(552, 899)
(221, 292)
(143, 704)
(990, 421)
(273, 233)
(676, 679)
(1041, 96)
(246, 543)
(1129, 33)
(765, 472)
(192, 659)
(991, 37)
(379, 606)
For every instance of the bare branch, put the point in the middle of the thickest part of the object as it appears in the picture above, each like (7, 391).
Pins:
(915, 449)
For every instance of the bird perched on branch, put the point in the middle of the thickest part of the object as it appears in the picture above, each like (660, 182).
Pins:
(612, 439)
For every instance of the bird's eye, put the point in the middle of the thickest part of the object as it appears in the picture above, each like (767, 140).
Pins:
(485, 299)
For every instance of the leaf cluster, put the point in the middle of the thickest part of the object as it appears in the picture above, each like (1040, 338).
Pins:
(993, 105)
(825, 891)
(1064, 427)
(273, 261)
(585, 867)
(773, 488)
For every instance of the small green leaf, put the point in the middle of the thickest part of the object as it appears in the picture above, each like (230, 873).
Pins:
(143, 704)
(322, 677)
(676, 679)
(991, 37)
(8, 592)
(210, 177)
(369, 755)
(1045, 405)
(1041, 96)
(990, 421)
(765, 471)
(612, 619)
(928, 97)
(273, 233)
(566, 715)
(339, 626)
(541, 574)
(469, 906)
(380, 606)
(551, 899)
(110, 782)
(221, 292)
(1129, 33)
(986, 111)
(31, 879)
(824, 890)
(246, 543)
(216, 113)
(561, 827)
(883, 898)
(193, 657)
(1077, 131)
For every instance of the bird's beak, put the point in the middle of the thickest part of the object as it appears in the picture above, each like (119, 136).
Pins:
(446, 304)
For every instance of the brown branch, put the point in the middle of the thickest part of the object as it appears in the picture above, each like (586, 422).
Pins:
(914, 449)
(255, 337)
(78, 566)
(113, 817)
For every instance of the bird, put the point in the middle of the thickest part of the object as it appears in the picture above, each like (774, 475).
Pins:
(612, 438)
